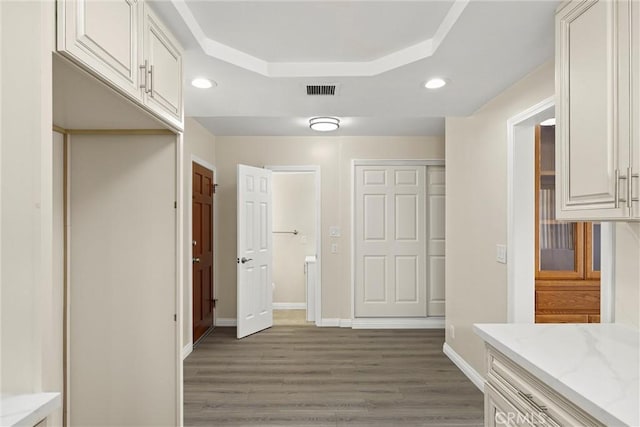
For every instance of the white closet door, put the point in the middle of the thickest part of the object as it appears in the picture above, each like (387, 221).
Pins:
(436, 246)
(390, 241)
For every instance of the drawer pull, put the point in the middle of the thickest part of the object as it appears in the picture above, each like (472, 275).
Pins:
(529, 398)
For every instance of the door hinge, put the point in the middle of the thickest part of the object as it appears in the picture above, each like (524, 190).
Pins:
(175, 317)
(213, 188)
(175, 205)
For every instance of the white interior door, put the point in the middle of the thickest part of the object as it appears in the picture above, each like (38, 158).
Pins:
(390, 241)
(435, 219)
(255, 254)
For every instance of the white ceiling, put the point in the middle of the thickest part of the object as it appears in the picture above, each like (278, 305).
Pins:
(379, 52)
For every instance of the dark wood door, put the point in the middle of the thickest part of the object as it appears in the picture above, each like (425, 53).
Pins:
(203, 302)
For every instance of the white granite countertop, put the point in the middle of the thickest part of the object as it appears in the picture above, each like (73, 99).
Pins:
(593, 365)
(27, 409)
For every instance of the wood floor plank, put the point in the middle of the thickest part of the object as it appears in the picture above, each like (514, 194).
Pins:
(295, 375)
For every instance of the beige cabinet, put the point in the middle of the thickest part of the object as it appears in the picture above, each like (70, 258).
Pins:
(103, 36)
(162, 70)
(514, 397)
(124, 44)
(597, 158)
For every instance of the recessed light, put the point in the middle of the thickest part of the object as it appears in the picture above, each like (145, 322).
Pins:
(202, 83)
(324, 124)
(549, 122)
(435, 83)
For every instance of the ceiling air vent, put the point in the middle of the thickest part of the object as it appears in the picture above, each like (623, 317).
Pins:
(327, 89)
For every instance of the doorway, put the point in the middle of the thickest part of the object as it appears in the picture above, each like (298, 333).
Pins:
(521, 221)
(202, 213)
(296, 244)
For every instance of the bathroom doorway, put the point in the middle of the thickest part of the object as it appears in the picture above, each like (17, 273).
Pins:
(296, 245)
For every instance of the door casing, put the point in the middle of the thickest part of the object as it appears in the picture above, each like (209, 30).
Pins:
(317, 291)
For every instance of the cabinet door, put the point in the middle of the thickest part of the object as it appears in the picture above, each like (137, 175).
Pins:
(592, 49)
(635, 108)
(163, 79)
(498, 411)
(103, 36)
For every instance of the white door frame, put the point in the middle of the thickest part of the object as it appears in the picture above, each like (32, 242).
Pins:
(315, 169)
(189, 256)
(520, 273)
(376, 322)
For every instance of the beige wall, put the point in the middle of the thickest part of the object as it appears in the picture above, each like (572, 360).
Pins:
(122, 293)
(200, 143)
(476, 212)
(27, 314)
(627, 274)
(294, 208)
(476, 285)
(333, 155)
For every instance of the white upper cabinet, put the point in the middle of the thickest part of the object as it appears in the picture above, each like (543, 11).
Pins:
(163, 65)
(597, 163)
(123, 43)
(103, 35)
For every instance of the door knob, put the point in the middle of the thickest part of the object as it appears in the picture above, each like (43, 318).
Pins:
(196, 259)
(245, 260)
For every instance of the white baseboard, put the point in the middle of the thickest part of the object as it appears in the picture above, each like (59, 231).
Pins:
(398, 323)
(187, 350)
(466, 369)
(226, 322)
(289, 305)
(345, 323)
(328, 323)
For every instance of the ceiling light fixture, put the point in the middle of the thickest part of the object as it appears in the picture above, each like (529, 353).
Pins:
(435, 83)
(549, 122)
(202, 83)
(324, 124)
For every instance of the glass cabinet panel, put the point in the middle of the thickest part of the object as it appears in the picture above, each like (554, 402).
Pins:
(559, 245)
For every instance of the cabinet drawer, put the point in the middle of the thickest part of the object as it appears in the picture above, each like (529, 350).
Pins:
(574, 300)
(524, 390)
(562, 318)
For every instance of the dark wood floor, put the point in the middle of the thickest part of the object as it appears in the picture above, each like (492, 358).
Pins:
(303, 375)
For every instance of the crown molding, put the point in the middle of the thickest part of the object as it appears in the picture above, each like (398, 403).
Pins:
(397, 59)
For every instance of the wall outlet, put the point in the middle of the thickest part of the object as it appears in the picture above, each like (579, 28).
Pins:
(501, 254)
(334, 248)
(334, 231)
(452, 332)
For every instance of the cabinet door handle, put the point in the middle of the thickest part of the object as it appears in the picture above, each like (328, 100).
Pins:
(151, 80)
(617, 198)
(145, 74)
(630, 195)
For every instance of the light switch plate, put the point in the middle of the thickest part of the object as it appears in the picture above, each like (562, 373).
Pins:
(501, 254)
(334, 231)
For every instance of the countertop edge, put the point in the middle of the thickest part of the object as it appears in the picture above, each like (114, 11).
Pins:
(48, 403)
(570, 394)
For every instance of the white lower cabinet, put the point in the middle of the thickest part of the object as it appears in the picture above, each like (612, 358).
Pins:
(514, 397)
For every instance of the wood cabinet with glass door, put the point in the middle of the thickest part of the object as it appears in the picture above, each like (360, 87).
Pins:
(567, 260)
